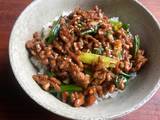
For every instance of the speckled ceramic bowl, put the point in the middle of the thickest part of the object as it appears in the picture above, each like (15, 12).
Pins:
(139, 91)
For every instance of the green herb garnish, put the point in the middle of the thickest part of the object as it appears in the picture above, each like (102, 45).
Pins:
(120, 56)
(136, 45)
(129, 75)
(126, 27)
(116, 24)
(67, 88)
(98, 51)
(92, 30)
(55, 93)
(54, 31)
(66, 81)
(88, 71)
(119, 78)
(70, 88)
(50, 74)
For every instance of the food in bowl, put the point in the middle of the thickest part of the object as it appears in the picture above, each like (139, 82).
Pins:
(84, 56)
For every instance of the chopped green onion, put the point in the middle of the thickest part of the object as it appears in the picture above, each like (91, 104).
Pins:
(55, 93)
(70, 88)
(126, 27)
(89, 58)
(42, 33)
(52, 90)
(88, 71)
(54, 32)
(116, 24)
(66, 81)
(108, 32)
(125, 77)
(136, 44)
(67, 88)
(51, 74)
(130, 75)
(119, 78)
(80, 24)
(92, 30)
(98, 51)
(120, 55)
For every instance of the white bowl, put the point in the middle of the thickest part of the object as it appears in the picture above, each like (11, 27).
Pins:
(139, 90)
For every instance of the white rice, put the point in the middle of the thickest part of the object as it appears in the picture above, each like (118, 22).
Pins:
(41, 68)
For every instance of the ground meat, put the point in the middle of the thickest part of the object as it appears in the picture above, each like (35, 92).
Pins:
(66, 36)
(100, 77)
(58, 46)
(91, 90)
(75, 58)
(42, 80)
(73, 80)
(90, 100)
(140, 60)
(77, 99)
(46, 82)
(79, 77)
(65, 96)
(99, 65)
(112, 88)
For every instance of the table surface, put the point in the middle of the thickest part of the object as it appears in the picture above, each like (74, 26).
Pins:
(15, 104)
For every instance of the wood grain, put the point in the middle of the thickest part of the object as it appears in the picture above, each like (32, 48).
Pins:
(15, 104)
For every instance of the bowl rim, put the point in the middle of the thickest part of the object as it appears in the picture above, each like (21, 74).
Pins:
(135, 107)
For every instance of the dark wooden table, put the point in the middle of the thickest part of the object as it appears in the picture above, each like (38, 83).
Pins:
(15, 104)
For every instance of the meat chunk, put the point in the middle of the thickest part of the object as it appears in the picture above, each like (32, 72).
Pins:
(140, 60)
(43, 81)
(90, 100)
(77, 99)
(79, 77)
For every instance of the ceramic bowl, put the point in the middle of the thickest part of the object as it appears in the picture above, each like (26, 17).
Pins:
(139, 91)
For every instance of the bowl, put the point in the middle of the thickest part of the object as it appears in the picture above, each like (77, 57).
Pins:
(139, 91)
